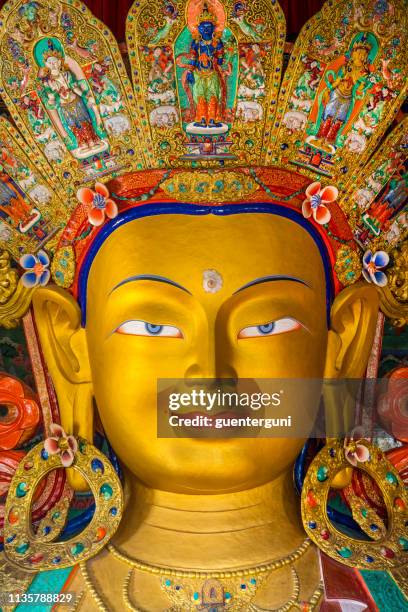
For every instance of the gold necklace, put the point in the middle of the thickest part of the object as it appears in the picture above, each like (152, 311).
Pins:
(227, 573)
(250, 606)
(186, 597)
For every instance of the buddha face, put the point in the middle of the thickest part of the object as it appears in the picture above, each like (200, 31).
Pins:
(152, 313)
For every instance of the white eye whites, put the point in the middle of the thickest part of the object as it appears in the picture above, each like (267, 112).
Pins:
(273, 328)
(143, 328)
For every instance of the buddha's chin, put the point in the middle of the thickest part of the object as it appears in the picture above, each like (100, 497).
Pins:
(211, 467)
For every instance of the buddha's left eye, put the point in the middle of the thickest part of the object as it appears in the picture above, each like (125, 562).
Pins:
(144, 328)
(272, 328)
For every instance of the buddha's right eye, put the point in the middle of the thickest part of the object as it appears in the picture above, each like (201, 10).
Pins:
(144, 328)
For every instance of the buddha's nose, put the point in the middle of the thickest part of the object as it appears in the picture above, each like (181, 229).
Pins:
(211, 363)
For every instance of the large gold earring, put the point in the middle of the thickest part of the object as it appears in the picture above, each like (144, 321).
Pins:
(390, 545)
(36, 551)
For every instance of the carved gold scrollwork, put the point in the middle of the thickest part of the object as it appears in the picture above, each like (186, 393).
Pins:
(394, 296)
(15, 299)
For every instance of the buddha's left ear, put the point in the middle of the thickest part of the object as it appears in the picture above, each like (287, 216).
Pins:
(353, 319)
(63, 342)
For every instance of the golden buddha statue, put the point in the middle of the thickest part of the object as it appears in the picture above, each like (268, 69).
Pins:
(189, 267)
(196, 505)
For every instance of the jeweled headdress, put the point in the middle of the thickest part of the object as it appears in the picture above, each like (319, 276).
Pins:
(206, 15)
(90, 144)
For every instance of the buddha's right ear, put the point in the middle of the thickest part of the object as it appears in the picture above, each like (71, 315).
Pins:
(63, 342)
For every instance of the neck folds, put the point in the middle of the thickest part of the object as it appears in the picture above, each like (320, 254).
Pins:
(210, 532)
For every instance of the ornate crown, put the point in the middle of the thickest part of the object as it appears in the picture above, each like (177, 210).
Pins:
(206, 15)
(92, 143)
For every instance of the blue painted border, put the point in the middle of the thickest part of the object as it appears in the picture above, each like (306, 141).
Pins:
(171, 208)
(385, 591)
(47, 582)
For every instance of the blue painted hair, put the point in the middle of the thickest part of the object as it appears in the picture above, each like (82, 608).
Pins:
(162, 208)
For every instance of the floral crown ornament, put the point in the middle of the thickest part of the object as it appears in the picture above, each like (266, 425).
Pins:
(63, 186)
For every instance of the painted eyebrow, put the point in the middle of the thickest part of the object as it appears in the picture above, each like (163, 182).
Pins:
(150, 277)
(268, 279)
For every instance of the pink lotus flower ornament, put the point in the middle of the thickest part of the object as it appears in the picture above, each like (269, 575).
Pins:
(61, 444)
(98, 202)
(316, 200)
(354, 451)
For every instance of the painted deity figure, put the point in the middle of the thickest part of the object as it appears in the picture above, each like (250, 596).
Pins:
(252, 74)
(342, 91)
(106, 92)
(398, 194)
(34, 15)
(161, 87)
(239, 13)
(11, 202)
(384, 210)
(67, 98)
(206, 71)
(170, 14)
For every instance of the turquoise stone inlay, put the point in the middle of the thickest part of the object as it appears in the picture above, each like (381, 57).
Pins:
(322, 473)
(22, 548)
(345, 552)
(403, 542)
(77, 548)
(21, 489)
(106, 491)
(391, 478)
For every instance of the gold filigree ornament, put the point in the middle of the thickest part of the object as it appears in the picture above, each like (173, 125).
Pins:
(37, 550)
(211, 187)
(15, 299)
(384, 553)
(348, 266)
(63, 266)
(394, 296)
